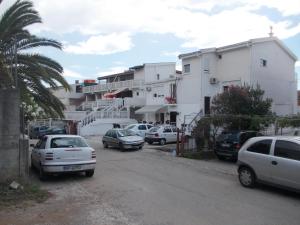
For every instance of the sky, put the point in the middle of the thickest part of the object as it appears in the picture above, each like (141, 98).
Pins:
(102, 37)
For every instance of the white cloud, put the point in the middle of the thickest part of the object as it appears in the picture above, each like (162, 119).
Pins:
(196, 22)
(102, 44)
(112, 70)
(72, 74)
(175, 53)
(297, 64)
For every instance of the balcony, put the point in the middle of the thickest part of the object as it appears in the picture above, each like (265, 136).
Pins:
(113, 86)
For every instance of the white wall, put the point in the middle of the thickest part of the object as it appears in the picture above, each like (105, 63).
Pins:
(163, 69)
(277, 78)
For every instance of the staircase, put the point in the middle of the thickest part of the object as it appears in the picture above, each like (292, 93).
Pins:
(190, 122)
(105, 113)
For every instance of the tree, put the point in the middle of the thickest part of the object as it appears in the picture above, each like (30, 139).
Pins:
(242, 100)
(33, 73)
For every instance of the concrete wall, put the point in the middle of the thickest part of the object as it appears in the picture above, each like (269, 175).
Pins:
(9, 135)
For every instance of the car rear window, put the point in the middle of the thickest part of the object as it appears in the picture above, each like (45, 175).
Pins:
(67, 142)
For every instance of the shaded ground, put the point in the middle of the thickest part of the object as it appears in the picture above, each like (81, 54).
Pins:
(151, 187)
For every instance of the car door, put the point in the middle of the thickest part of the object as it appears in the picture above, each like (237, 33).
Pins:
(259, 158)
(286, 163)
(142, 130)
(114, 138)
(168, 134)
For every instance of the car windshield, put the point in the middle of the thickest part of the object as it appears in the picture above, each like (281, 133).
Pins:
(154, 129)
(68, 142)
(125, 133)
(130, 127)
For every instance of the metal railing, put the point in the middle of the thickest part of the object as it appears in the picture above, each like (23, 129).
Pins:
(113, 86)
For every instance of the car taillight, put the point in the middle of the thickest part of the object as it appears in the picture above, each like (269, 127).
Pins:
(237, 146)
(93, 154)
(156, 135)
(49, 156)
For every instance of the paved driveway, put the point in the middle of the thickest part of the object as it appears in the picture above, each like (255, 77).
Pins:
(151, 187)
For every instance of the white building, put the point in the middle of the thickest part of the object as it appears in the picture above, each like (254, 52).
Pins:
(263, 61)
(144, 92)
(160, 82)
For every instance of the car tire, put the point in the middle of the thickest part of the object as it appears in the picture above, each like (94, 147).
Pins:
(162, 141)
(89, 173)
(246, 177)
(121, 147)
(220, 157)
(42, 174)
(31, 164)
(105, 145)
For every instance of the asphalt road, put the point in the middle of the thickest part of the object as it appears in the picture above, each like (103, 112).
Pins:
(151, 187)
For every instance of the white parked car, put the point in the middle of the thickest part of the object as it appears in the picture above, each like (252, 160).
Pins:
(161, 134)
(63, 153)
(139, 129)
(272, 160)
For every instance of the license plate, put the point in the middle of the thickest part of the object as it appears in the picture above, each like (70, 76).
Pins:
(225, 145)
(71, 168)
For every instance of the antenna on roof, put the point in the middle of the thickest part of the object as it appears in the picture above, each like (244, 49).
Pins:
(271, 32)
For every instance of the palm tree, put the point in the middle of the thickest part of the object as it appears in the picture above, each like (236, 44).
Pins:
(33, 73)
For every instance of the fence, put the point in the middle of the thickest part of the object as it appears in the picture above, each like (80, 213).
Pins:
(209, 127)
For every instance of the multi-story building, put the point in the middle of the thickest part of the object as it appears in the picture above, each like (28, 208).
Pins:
(144, 92)
(266, 62)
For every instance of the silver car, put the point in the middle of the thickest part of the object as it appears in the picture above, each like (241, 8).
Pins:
(122, 139)
(161, 134)
(272, 160)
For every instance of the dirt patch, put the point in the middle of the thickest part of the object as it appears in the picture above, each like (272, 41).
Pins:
(28, 193)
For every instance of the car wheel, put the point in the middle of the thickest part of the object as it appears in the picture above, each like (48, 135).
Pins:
(89, 173)
(121, 147)
(105, 145)
(162, 141)
(220, 157)
(31, 164)
(42, 174)
(246, 177)
(150, 142)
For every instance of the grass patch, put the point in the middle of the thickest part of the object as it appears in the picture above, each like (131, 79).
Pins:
(29, 192)
(201, 155)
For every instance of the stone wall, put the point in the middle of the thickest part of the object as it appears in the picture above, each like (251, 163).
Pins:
(10, 155)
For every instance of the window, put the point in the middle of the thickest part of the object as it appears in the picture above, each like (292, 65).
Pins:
(137, 93)
(43, 143)
(287, 149)
(149, 126)
(262, 147)
(67, 142)
(157, 76)
(225, 88)
(220, 56)
(167, 130)
(155, 95)
(187, 68)
(142, 127)
(263, 62)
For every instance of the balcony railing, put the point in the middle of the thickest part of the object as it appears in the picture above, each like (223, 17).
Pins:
(113, 86)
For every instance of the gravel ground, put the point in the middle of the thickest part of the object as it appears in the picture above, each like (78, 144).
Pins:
(151, 187)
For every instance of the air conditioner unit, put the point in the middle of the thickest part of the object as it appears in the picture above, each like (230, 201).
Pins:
(148, 89)
(172, 76)
(213, 80)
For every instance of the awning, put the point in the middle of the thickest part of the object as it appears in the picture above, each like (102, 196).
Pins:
(149, 109)
(114, 93)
